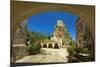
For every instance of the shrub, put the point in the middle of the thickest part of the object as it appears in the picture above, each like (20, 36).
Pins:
(70, 50)
(33, 48)
(75, 54)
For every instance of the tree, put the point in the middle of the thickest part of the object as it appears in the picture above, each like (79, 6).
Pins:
(33, 41)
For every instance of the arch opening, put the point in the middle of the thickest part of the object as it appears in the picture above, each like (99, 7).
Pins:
(44, 45)
(50, 45)
(56, 46)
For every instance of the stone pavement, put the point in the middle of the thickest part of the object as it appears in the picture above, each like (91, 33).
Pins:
(47, 55)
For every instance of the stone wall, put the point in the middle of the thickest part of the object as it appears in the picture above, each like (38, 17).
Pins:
(18, 47)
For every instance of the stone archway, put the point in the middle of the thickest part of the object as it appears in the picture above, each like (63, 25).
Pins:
(56, 45)
(44, 45)
(50, 45)
(22, 10)
(18, 13)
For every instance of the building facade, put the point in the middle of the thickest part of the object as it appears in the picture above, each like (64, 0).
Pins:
(59, 35)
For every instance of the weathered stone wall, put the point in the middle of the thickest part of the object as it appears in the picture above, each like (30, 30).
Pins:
(19, 48)
(18, 51)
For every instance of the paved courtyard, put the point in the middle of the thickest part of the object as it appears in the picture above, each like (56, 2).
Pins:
(47, 55)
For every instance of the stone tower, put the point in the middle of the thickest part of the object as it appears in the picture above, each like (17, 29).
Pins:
(59, 29)
(60, 32)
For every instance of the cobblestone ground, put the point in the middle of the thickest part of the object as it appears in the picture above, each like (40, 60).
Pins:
(47, 55)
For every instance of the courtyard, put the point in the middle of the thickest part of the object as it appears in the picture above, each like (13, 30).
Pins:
(47, 55)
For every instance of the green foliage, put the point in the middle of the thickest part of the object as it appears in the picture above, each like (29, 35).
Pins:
(78, 54)
(82, 54)
(49, 35)
(85, 53)
(71, 50)
(81, 50)
(33, 48)
(71, 43)
(36, 36)
(33, 41)
(89, 44)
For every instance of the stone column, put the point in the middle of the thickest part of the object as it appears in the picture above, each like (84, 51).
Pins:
(41, 45)
(53, 45)
(47, 45)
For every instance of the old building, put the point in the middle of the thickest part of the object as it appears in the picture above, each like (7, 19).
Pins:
(60, 35)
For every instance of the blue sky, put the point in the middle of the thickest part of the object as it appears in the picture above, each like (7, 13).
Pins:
(46, 21)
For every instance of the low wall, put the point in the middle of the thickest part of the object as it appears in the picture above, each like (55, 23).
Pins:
(18, 51)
